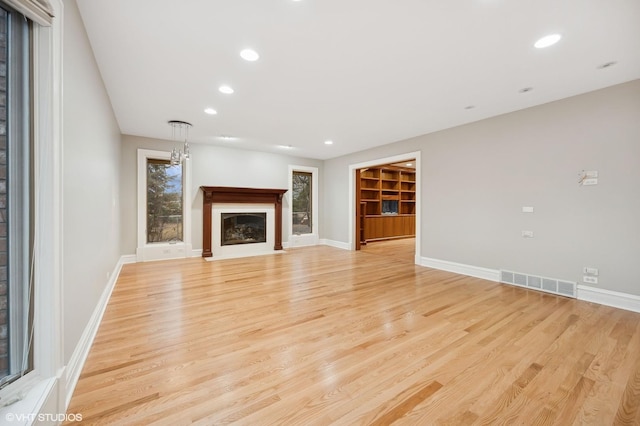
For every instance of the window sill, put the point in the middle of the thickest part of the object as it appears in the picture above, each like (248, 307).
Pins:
(37, 404)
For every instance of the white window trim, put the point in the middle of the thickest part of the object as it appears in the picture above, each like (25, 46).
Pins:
(39, 391)
(39, 11)
(313, 238)
(158, 251)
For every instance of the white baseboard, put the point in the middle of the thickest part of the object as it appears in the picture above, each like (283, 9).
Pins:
(336, 244)
(303, 240)
(615, 299)
(459, 268)
(240, 255)
(79, 356)
(128, 258)
(132, 258)
(163, 251)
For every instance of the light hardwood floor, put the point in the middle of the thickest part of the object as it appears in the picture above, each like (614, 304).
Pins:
(401, 249)
(324, 336)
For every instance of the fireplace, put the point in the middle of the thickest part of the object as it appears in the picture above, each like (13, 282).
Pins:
(219, 200)
(243, 228)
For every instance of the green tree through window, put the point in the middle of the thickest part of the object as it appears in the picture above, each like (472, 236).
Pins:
(164, 201)
(302, 207)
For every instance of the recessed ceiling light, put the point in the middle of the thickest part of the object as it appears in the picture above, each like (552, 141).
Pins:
(525, 89)
(210, 111)
(328, 142)
(607, 65)
(285, 146)
(226, 89)
(547, 41)
(249, 55)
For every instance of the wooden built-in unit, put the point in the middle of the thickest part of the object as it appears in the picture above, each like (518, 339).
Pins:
(386, 202)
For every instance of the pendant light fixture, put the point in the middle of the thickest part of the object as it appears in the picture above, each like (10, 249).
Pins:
(180, 131)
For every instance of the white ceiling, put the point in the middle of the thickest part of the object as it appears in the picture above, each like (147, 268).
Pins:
(361, 73)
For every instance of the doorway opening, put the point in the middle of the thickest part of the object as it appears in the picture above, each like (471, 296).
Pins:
(385, 206)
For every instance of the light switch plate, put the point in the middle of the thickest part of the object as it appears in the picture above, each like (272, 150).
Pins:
(590, 280)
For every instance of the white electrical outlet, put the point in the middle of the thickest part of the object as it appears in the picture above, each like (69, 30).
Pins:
(527, 234)
(590, 280)
(527, 209)
(590, 181)
(590, 271)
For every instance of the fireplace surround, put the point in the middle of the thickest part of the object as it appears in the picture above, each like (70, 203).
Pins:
(225, 194)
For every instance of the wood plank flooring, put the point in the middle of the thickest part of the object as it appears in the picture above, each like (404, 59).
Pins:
(401, 249)
(321, 336)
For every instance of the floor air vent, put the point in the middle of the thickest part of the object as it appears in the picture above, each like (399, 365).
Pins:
(549, 285)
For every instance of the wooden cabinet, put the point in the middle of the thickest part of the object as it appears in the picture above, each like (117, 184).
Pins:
(389, 226)
(387, 197)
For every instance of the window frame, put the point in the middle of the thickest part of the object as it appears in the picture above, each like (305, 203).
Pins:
(165, 163)
(38, 390)
(19, 166)
(162, 250)
(313, 237)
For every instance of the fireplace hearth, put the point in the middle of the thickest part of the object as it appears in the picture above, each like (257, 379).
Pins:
(243, 228)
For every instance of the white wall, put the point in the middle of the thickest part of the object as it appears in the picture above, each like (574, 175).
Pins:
(477, 177)
(210, 166)
(91, 206)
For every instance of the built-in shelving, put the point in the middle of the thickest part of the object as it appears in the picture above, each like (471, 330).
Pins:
(387, 199)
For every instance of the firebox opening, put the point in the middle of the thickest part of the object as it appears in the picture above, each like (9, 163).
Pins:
(243, 228)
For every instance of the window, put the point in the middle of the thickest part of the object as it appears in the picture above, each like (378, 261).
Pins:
(164, 201)
(302, 198)
(302, 220)
(16, 222)
(31, 190)
(164, 224)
